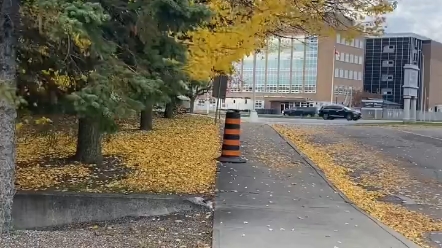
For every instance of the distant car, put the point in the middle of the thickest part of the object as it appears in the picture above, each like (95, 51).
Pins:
(331, 112)
(300, 111)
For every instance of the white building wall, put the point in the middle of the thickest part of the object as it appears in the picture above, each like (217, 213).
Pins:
(237, 103)
(228, 103)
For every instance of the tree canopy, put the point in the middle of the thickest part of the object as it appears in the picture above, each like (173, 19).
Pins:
(104, 59)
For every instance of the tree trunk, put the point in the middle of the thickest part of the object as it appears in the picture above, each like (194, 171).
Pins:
(192, 104)
(168, 111)
(146, 120)
(9, 20)
(170, 108)
(53, 101)
(89, 142)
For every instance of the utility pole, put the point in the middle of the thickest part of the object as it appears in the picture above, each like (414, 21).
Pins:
(351, 96)
(333, 75)
(253, 114)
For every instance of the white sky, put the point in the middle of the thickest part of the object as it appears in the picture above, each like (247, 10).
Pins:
(423, 17)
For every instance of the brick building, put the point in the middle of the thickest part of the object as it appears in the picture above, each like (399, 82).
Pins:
(298, 71)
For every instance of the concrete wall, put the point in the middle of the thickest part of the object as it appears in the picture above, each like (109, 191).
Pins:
(398, 114)
(38, 210)
(433, 73)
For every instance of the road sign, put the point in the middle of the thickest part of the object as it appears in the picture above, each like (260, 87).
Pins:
(220, 86)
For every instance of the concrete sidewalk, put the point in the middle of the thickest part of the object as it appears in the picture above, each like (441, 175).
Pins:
(261, 207)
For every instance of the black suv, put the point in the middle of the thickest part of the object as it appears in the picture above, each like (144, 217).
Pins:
(300, 111)
(331, 112)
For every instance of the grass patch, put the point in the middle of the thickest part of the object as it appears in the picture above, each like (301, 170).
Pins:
(178, 156)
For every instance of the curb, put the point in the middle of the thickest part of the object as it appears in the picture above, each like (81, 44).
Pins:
(40, 210)
(216, 239)
(321, 173)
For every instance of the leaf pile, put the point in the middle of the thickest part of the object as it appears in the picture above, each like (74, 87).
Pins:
(178, 156)
(411, 224)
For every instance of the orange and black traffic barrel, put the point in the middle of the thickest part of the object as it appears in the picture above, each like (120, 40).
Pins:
(230, 151)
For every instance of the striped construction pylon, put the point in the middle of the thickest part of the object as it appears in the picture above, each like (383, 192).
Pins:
(230, 152)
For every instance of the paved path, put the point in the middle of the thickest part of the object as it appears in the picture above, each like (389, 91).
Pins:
(260, 204)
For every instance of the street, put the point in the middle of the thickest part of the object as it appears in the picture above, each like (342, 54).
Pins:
(313, 121)
(402, 163)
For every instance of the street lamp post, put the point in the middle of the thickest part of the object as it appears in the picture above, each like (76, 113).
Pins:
(253, 114)
(422, 88)
(333, 75)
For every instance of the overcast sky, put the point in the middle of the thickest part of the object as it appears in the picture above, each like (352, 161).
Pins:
(422, 17)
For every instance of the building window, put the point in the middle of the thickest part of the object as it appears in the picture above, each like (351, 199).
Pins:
(346, 74)
(387, 78)
(361, 44)
(310, 89)
(297, 88)
(352, 43)
(347, 57)
(336, 72)
(356, 43)
(387, 63)
(388, 49)
(361, 60)
(272, 88)
(350, 75)
(342, 41)
(352, 58)
(338, 38)
(340, 89)
(259, 104)
(341, 73)
(360, 76)
(387, 91)
(342, 56)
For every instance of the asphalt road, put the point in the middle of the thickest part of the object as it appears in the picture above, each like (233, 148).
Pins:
(312, 121)
(416, 150)
(420, 147)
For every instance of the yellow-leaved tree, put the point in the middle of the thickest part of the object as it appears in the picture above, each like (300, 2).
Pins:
(240, 27)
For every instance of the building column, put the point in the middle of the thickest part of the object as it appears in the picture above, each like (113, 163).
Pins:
(413, 109)
(406, 109)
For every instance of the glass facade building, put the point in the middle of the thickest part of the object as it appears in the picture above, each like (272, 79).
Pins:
(286, 65)
(385, 58)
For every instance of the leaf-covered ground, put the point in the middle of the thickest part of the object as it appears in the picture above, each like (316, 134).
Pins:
(178, 156)
(365, 177)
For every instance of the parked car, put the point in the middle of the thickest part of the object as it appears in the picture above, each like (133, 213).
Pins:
(300, 111)
(331, 112)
